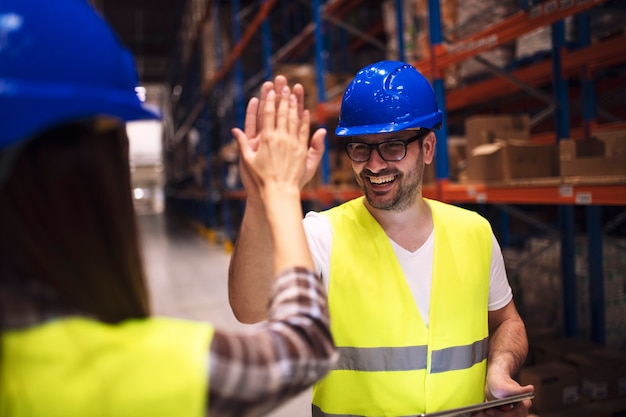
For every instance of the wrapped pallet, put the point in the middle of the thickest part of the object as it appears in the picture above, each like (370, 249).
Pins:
(416, 30)
(474, 16)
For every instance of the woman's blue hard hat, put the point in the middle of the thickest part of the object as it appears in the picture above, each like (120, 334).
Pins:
(60, 62)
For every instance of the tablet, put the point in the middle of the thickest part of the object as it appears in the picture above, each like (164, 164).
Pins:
(458, 412)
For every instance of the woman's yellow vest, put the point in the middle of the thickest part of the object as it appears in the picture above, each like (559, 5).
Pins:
(77, 367)
(391, 364)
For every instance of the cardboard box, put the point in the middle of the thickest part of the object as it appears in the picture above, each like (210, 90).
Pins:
(499, 149)
(594, 374)
(456, 163)
(340, 167)
(512, 159)
(592, 157)
(614, 141)
(555, 349)
(615, 361)
(487, 129)
(457, 158)
(556, 385)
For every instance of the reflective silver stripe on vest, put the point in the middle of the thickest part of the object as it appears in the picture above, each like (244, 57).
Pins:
(459, 357)
(406, 358)
(316, 412)
(411, 358)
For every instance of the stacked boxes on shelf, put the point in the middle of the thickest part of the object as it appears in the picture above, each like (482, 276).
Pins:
(603, 154)
(556, 385)
(569, 373)
(473, 17)
(541, 289)
(499, 149)
(416, 31)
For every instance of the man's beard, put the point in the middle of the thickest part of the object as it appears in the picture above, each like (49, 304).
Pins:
(405, 194)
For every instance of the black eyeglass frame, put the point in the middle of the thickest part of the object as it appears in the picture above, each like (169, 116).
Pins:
(376, 146)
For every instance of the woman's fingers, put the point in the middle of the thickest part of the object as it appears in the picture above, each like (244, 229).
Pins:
(265, 89)
(255, 112)
(269, 114)
(283, 110)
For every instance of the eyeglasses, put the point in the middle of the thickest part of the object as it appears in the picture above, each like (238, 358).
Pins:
(389, 150)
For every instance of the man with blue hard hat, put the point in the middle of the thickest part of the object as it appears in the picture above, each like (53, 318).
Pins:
(420, 304)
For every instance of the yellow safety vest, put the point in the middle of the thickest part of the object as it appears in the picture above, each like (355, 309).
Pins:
(391, 364)
(76, 367)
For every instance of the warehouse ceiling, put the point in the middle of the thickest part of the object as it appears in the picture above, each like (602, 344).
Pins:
(149, 29)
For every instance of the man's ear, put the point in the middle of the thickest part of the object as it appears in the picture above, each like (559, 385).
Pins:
(428, 147)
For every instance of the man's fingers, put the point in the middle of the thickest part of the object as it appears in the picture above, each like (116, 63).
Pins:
(242, 142)
(280, 82)
(305, 126)
(298, 90)
(250, 124)
(317, 141)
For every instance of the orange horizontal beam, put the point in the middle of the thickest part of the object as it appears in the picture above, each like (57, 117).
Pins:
(237, 51)
(229, 62)
(537, 194)
(496, 87)
(578, 133)
(603, 54)
(337, 9)
(504, 32)
(562, 193)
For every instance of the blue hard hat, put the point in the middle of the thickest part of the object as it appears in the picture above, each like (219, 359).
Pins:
(59, 62)
(388, 96)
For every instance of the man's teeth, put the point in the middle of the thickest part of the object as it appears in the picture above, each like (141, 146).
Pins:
(381, 180)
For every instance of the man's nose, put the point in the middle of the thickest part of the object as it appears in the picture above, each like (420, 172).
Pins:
(376, 161)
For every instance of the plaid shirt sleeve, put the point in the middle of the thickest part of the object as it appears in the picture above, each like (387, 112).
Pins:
(251, 373)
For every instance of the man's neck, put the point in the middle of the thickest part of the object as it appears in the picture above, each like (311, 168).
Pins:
(409, 228)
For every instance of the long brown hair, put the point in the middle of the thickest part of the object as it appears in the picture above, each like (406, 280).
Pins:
(67, 224)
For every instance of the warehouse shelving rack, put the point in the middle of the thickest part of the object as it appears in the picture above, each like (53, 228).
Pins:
(566, 193)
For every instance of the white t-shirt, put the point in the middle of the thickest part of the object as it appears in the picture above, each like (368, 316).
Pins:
(417, 266)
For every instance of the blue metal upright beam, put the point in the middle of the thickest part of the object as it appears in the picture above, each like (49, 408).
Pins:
(559, 84)
(240, 114)
(211, 216)
(568, 271)
(505, 222)
(436, 38)
(589, 105)
(320, 66)
(400, 25)
(594, 213)
(596, 274)
(239, 100)
(267, 46)
(343, 48)
(566, 212)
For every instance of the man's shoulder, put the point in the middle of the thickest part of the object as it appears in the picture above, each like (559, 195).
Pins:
(346, 206)
(451, 213)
